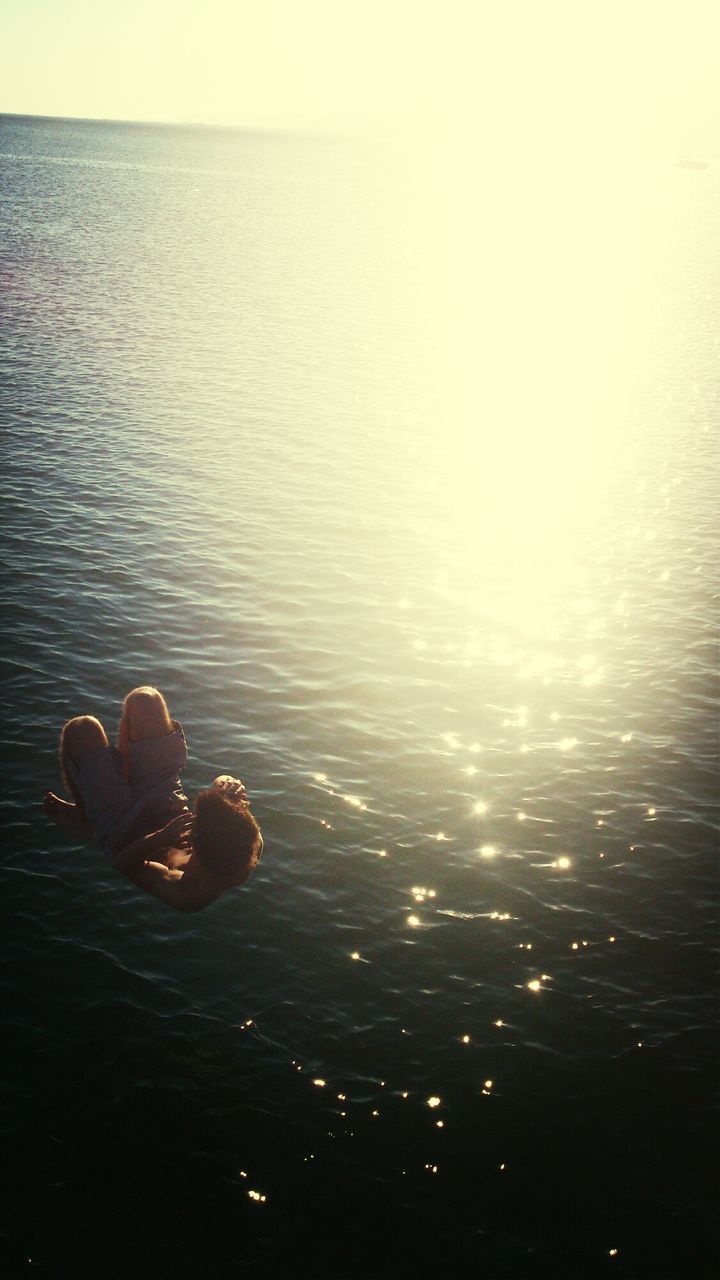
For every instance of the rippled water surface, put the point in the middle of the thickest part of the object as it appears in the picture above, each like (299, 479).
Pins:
(464, 1014)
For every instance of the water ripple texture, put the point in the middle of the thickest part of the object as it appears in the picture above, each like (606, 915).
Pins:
(458, 632)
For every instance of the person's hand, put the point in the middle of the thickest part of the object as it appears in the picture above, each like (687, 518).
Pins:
(177, 834)
(230, 786)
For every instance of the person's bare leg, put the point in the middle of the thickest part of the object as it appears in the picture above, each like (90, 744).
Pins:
(78, 737)
(145, 715)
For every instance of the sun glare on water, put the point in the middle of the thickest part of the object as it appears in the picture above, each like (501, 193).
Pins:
(535, 450)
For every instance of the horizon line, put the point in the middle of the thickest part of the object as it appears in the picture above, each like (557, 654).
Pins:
(159, 124)
(337, 123)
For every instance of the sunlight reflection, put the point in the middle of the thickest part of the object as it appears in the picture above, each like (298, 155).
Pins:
(526, 466)
(420, 894)
(593, 677)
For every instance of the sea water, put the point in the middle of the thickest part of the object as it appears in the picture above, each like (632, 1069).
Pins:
(287, 433)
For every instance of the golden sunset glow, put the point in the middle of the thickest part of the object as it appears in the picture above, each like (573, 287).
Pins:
(545, 139)
(620, 72)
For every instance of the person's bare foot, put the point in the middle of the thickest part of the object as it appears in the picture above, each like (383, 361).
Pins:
(66, 815)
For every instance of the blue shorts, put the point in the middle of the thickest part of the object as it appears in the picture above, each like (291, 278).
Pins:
(121, 811)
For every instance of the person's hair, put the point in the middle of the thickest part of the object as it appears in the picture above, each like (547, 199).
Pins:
(226, 837)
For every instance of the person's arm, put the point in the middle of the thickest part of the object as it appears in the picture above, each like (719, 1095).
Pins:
(172, 836)
(170, 886)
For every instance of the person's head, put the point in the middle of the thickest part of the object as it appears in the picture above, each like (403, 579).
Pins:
(226, 837)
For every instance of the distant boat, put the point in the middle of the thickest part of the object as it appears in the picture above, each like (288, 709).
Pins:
(687, 163)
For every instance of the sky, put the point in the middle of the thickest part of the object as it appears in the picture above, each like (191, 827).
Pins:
(637, 72)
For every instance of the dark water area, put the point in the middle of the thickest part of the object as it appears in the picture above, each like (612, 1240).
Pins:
(465, 1012)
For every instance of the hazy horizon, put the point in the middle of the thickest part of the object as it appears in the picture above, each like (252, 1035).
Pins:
(614, 77)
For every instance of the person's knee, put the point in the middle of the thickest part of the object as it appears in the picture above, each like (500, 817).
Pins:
(146, 715)
(81, 735)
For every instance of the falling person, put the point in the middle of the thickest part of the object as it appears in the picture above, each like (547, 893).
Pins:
(130, 800)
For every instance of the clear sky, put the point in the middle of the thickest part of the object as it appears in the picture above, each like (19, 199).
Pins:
(637, 70)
